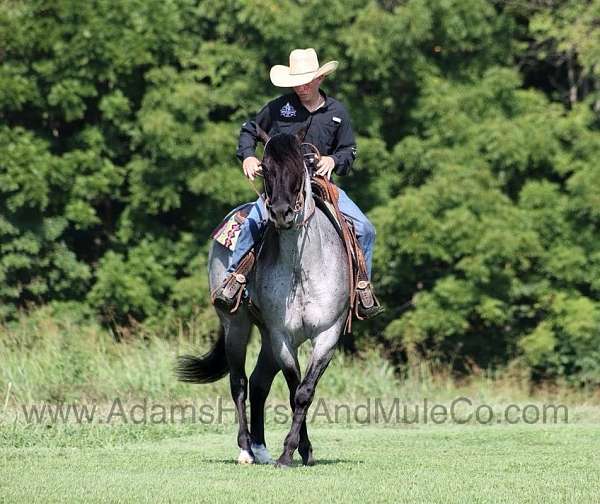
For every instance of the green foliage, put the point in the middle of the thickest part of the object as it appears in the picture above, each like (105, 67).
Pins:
(478, 134)
(494, 220)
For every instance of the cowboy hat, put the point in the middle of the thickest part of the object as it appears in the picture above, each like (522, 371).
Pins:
(304, 67)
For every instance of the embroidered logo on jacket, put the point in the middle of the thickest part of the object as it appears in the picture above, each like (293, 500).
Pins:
(287, 110)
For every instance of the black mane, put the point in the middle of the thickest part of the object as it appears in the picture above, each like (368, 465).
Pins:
(283, 152)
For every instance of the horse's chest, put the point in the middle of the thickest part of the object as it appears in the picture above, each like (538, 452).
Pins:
(288, 302)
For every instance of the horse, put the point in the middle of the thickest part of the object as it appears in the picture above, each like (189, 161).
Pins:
(300, 285)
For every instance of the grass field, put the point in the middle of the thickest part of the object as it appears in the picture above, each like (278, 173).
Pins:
(450, 463)
(45, 361)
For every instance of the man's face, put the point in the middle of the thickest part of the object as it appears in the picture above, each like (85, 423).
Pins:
(308, 90)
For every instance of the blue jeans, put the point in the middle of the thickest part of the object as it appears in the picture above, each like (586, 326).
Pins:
(257, 220)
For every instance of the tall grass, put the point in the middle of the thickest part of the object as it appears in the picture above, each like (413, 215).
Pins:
(44, 358)
(49, 358)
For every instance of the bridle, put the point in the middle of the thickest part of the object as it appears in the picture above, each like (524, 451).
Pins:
(300, 203)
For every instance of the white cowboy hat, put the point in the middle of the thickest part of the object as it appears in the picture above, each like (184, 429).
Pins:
(304, 67)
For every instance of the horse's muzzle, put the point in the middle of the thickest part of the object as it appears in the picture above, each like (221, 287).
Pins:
(282, 216)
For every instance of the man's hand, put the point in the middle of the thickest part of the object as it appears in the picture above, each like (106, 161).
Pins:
(325, 166)
(251, 167)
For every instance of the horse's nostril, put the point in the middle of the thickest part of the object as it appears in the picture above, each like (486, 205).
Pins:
(281, 211)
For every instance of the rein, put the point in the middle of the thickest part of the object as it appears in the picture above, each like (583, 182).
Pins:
(251, 182)
(301, 203)
(309, 155)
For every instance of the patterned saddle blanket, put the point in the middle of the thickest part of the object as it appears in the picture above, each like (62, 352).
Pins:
(228, 231)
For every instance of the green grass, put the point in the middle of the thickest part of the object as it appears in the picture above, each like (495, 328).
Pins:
(45, 358)
(443, 464)
(48, 360)
(55, 359)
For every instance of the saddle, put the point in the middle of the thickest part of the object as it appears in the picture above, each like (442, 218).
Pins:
(326, 198)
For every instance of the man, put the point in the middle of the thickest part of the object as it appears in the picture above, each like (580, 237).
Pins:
(328, 127)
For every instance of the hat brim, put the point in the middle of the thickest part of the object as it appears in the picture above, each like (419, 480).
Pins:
(281, 77)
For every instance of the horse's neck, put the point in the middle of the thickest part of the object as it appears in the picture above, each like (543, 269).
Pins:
(302, 275)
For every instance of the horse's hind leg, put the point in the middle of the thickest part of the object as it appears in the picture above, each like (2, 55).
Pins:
(237, 333)
(260, 385)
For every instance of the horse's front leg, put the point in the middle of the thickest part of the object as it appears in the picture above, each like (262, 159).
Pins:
(292, 376)
(286, 356)
(322, 353)
(237, 333)
(260, 385)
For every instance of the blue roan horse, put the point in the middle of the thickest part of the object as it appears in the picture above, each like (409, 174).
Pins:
(300, 284)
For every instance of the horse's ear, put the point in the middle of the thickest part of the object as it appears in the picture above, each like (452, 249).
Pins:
(300, 134)
(262, 135)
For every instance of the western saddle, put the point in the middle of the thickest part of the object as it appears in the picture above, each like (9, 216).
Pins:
(363, 302)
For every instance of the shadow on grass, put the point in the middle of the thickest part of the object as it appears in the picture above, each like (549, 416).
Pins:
(296, 463)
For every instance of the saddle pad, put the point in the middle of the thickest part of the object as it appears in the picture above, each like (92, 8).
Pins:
(228, 232)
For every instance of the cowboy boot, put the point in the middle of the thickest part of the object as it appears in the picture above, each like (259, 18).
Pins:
(368, 306)
(228, 295)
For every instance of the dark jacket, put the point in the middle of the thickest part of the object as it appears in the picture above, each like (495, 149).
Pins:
(329, 128)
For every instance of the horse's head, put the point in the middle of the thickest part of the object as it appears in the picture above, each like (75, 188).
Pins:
(284, 174)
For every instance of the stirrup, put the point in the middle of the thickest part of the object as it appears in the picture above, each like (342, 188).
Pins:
(368, 305)
(229, 294)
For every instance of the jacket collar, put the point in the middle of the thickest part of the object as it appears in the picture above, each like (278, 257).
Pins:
(298, 103)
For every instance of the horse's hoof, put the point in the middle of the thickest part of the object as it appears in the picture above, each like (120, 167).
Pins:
(245, 457)
(261, 454)
(309, 462)
(283, 463)
(307, 456)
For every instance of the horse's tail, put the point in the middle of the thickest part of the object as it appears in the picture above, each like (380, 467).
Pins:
(208, 368)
